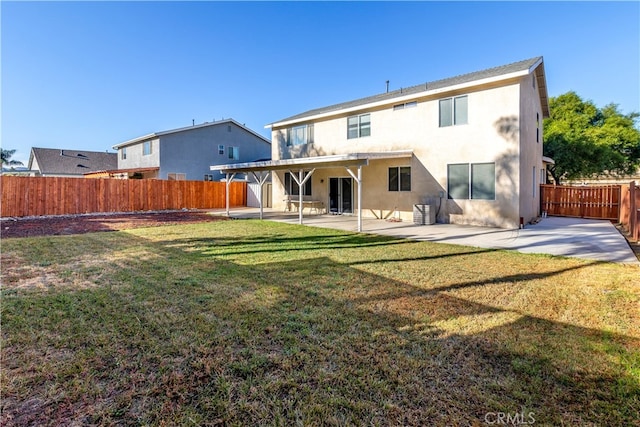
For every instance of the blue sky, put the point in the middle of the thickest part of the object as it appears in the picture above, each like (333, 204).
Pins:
(89, 75)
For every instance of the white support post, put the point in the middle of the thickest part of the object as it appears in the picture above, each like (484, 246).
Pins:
(359, 199)
(358, 179)
(301, 180)
(262, 178)
(229, 179)
(300, 195)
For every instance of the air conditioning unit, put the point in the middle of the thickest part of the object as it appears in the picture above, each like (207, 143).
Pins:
(424, 214)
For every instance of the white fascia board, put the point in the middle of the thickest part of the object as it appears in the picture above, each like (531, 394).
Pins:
(135, 140)
(534, 66)
(404, 98)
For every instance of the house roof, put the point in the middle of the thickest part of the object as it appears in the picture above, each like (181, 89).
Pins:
(502, 72)
(186, 129)
(55, 161)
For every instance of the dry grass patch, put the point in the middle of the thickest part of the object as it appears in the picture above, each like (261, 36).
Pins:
(258, 323)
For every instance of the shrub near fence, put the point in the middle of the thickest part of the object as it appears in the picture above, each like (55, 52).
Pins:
(37, 196)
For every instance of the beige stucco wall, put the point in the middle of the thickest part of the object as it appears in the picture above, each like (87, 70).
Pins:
(493, 135)
(530, 150)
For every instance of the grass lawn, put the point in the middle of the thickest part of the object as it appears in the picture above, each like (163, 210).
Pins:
(262, 323)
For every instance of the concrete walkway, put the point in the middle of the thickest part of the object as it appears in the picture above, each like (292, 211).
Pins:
(572, 237)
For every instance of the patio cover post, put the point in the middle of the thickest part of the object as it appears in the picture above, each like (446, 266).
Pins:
(358, 179)
(227, 192)
(301, 180)
(261, 178)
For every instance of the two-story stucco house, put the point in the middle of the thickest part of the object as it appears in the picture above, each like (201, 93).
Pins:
(469, 146)
(186, 153)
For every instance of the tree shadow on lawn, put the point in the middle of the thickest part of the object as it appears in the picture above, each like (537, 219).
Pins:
(521, 362)
(324, 342)
(410, 355)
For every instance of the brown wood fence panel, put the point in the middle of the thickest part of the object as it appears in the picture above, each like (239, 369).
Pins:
(630, 209)
(39, 196)
(600, 202)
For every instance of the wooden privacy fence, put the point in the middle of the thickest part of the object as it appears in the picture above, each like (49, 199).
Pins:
(630, 209)
(601, 202)
(37, 196)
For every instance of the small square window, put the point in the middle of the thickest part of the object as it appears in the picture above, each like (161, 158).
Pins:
(454, 111)
(400, 178)
(234, 152)
(359, 126)
(300, 135)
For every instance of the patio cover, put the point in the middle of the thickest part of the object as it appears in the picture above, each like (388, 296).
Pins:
(261, 170)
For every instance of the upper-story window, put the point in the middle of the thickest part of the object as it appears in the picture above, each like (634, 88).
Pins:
(221, 150)
(146, 148)
(453, 111)
(123, 153)
(300, 135)
(234, 152)
(405, 105)
(359, 126)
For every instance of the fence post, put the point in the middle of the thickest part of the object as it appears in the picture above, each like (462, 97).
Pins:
(634, 211)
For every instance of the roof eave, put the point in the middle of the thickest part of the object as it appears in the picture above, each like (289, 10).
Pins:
(395, 100)
(186, 128)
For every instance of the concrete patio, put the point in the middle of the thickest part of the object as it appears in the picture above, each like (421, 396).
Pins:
(572, 237)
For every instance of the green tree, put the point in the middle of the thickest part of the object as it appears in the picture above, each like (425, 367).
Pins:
(6, 158)
(588, 142)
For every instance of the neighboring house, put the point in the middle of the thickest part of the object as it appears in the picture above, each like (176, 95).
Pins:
(469, 146)
(69, 163)
(186, 153)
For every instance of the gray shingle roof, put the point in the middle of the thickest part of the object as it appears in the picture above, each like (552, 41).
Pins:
(438, 84)
(53, 161)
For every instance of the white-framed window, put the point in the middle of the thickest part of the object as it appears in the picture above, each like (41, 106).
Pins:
(146, 148)
(300, 135)
(471, 181)
(405, 105)
(234, 152)
(400, 178)
(123, 153)
(291, 186)
(208, 177)
(537, 127)
(454, 111)
(176, 176)
(359, 126)
(221, 150)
